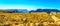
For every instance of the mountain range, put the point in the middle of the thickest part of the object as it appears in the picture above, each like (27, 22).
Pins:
(38, 10)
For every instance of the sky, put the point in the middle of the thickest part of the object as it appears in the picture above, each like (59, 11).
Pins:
(29, 4)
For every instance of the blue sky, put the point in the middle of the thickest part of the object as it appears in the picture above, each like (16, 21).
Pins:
(29, 4)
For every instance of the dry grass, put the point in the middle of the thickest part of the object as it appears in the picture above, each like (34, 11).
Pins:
(28, 19)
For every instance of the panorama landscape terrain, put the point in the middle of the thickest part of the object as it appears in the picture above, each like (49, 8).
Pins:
(39, 17)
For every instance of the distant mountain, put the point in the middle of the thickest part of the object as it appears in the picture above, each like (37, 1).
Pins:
(32, 11)
(21, 10)
(25, 10)
(46, 10)
(52, 10)
(39, 10)
(14, 10)
(18, 10)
